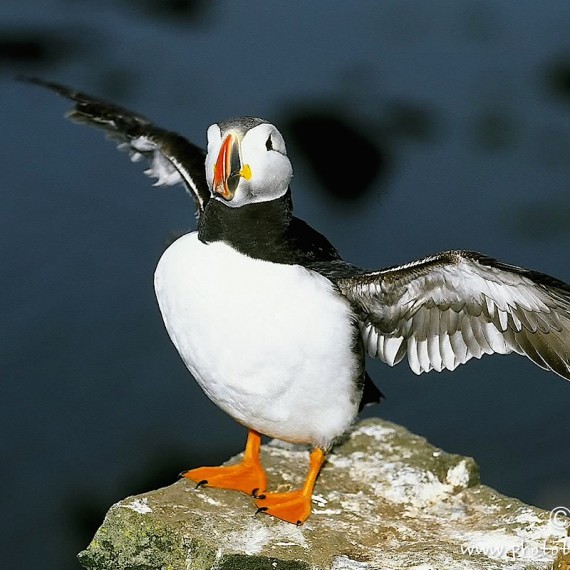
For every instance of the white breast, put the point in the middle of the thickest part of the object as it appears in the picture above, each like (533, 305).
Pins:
(270, 344)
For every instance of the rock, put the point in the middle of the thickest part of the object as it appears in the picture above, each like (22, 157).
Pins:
(386, 499)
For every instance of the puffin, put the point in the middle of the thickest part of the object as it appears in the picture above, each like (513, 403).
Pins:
(274, 325)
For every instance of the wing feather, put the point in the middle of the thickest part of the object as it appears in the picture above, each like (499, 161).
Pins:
(172, 158)
(443, 310)
(434, 353)
(446, 351)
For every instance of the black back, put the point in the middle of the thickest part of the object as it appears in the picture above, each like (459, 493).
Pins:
(267, 231)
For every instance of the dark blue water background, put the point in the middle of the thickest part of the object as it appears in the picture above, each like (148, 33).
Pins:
(468, 105)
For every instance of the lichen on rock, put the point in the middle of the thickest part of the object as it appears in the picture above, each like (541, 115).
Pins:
(385, 499)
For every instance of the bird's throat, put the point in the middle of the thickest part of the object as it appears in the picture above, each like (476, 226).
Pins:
(258, 230)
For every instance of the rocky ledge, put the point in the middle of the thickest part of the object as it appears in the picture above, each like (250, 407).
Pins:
(386, 499)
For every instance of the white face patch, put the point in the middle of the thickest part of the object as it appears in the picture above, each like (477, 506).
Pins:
(262, 149)
(214, 144)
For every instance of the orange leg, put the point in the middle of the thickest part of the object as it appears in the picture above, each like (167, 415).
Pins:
(295, 506)
(247, 476)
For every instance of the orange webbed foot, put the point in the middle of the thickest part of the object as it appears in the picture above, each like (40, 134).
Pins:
(293, 507)
(247, 476)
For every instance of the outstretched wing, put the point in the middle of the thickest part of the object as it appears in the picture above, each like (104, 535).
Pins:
(173, 159)
(443, 310)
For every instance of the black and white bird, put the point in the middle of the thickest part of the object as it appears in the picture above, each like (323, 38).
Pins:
(274, 325)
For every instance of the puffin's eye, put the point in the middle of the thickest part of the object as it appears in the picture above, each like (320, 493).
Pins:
(269, 143)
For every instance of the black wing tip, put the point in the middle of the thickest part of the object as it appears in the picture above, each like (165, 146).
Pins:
(456, 256)
(81, 100)
(58, 88)
(22, 78)
(535, 276)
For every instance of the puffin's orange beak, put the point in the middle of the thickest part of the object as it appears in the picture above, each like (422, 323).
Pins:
(222, 169)
(228, 169)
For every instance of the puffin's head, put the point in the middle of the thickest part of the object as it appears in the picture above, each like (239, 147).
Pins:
(246, 162)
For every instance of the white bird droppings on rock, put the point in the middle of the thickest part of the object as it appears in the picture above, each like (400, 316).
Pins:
(458, 476)
(139, 506)
(250, 540)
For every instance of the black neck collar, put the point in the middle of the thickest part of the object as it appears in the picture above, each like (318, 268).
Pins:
(267, 231)
(258, 230)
